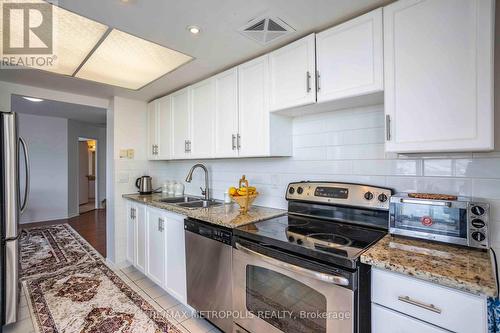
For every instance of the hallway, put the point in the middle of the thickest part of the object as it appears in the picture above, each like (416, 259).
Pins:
(90, 225)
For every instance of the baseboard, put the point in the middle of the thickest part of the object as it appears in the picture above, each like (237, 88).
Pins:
(119, 265)
(48, 220)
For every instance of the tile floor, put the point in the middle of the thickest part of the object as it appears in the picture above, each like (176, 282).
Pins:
(157, 297)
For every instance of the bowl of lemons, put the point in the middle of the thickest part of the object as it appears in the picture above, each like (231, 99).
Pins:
(244, 195)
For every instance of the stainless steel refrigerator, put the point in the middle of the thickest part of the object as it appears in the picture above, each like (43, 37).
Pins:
(14, 154)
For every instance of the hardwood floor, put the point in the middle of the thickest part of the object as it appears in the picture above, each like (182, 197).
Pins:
(90, 225)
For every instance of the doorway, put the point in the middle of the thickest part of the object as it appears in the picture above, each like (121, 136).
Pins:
(87, 175)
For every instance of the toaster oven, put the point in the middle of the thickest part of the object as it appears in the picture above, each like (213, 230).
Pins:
(461, 221)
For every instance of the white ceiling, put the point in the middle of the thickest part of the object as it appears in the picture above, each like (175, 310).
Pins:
(84, 113)
(218, 47)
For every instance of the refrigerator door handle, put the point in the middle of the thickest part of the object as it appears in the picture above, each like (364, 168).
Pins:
(10, 176)
(27, 169)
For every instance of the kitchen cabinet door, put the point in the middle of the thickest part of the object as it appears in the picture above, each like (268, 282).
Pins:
(292, 74)
(349, 58)
(180, 124)
(156, 246)
(253, 86)
(131, 225)
(152, 130)
(202, 119)
(175, 282)
(164, 128)
(438, 64)
(140, 237)
(226, 113)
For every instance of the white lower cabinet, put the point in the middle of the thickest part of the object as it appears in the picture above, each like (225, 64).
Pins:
(131, 244)
(155, 246)
(175, 269)
(140, 237)
(443, 307)
(385, 320)
(156, 239)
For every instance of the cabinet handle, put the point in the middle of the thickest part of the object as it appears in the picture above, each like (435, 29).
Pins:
(388, 127)
(160, 224)
(156, 147)
(318, 77)
(189, 146)
(238, 140)
(233, 141)
(430, 307)
(308, 81)
(185, 146)
(153, 149)
(131, 214)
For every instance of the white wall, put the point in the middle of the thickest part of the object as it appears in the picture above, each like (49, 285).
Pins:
(127, 118)
(47, 139)
(7, 89)
(78, 129)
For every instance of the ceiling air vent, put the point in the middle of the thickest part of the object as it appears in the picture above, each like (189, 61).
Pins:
(266, 30)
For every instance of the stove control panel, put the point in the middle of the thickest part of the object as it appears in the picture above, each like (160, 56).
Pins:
(347, 194)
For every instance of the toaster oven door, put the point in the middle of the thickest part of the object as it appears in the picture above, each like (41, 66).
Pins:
(434, 220)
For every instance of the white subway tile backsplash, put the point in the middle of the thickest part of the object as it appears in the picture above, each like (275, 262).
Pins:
(486, 188)
(356, 152)
(344, 146)
(478, 168)
(439, 168)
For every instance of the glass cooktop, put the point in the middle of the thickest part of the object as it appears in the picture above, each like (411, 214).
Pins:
(319, 238)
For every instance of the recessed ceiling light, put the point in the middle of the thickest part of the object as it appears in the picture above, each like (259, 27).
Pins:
(194, 29)
(33, 99)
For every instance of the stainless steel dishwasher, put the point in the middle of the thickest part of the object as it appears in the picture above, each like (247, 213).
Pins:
(209, 271)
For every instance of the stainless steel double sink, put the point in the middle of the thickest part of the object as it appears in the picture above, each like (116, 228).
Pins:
(190, 202)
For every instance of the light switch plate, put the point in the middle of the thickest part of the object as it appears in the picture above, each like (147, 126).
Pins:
(130, 154)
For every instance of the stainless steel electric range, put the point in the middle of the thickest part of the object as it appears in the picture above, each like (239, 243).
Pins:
(301, 272)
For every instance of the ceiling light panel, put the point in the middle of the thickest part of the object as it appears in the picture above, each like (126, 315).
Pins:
(73, 37)
(130, 62)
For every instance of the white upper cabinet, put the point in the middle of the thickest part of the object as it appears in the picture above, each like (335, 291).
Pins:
(349, 58)
(438, 61)
(159, 129)
(180, 124)
(292, 74)
(226, 113)
(152, 130)
(202, 119)
(253, 78)
(164, 128)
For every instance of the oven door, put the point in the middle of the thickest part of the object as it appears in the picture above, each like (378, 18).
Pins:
(270, 295)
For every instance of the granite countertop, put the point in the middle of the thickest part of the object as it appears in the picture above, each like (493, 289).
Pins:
(461, 268)
(227, 215)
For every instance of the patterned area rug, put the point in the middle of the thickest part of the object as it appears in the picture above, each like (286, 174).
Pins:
(52, 248)
(80, 293)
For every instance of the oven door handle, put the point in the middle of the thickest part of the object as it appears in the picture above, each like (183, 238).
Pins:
(329, 278)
